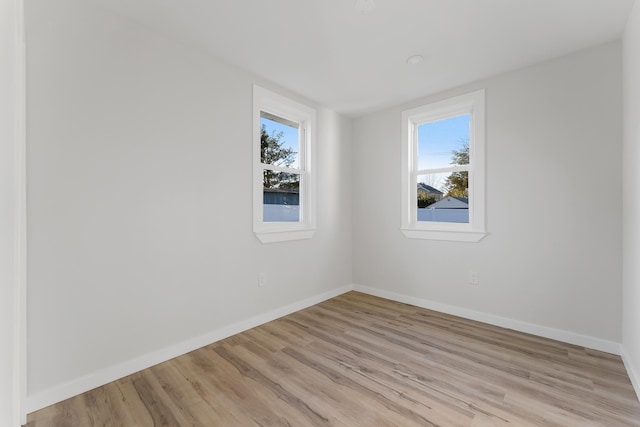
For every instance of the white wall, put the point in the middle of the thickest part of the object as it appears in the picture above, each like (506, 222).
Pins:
(10, 145)
(139, 193)
(553, 150)
(631, 200)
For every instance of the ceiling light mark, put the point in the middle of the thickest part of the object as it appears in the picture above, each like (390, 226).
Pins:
(415, 59)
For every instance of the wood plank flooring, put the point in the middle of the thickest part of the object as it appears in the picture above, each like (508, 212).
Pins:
(358, 360)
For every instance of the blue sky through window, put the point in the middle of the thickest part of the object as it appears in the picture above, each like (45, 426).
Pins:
(437, 140)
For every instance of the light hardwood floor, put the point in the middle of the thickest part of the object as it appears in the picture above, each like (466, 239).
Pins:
(358, 360)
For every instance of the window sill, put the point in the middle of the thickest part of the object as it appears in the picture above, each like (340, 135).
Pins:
(284, 236)
(451, 236)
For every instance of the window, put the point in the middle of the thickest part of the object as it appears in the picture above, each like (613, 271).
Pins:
(443, 169)
(284, 172)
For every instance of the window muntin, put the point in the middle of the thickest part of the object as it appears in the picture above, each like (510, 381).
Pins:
(443, 169)
(284, 176)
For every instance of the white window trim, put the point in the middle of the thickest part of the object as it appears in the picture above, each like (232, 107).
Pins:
(269, 232)
(471, 103)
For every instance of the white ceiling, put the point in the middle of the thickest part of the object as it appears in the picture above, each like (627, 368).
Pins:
(354, 62)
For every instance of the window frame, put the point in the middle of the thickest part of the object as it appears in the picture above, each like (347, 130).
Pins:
(272, 103)
(472, 103)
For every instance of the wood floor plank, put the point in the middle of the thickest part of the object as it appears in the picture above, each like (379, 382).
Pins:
(359, 360)
(69, 413)
(130, 400)
(322, 393)
(444, 386)
(218, 403)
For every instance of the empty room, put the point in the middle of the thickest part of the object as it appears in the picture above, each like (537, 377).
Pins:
(320, 213)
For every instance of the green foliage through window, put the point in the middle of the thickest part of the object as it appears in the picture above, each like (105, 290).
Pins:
(273, 153)
(457, 184)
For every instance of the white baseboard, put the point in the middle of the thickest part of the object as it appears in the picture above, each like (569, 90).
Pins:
(631, 370)
(62, 392)
(516, 325)
(89, 382)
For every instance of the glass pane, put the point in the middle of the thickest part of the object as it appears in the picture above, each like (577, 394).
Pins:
(279, 141)
(280, 196)
(443, 197)
(444, 143)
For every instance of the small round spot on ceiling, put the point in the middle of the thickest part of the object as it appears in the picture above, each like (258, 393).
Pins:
(415, 59)
(364, 6)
